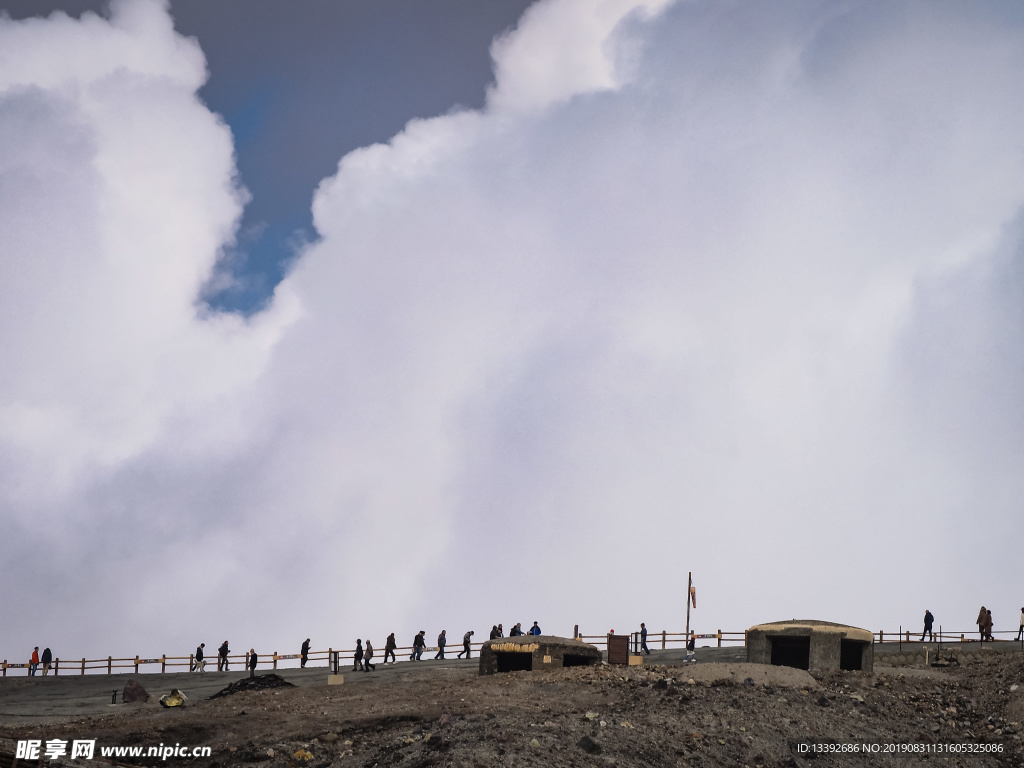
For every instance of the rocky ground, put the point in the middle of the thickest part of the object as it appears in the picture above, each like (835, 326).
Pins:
(706, 714)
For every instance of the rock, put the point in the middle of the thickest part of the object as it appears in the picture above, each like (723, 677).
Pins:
(588, 745)
(133, 691)
(822, 702)
(661, 685)
(534, 743)
(329, 738)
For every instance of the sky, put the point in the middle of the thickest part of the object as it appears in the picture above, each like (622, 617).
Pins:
(603, 292)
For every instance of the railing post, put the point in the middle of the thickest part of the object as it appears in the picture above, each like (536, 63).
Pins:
(881, 636)
(5, 667)
(575, 631)
(275, 659)
(663, 639)
(83, 667)
(191, 662)
(56, 667)
(110, 665)
(163, 663)
(719, 638)
(136, 664)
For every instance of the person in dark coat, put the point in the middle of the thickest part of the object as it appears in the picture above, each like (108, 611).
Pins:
(501, 632)
(643, 639)
(418, 644)
(982, 616)
(46, 661)
(359, 655)
(988, 625)
(200, 664)
(367, 655)
(389, 648)
(928, 621)
(516, 631)
(442, 641)
(465, 644)
(305, 653)
(222, 657)
(253, 661)
(494, 632)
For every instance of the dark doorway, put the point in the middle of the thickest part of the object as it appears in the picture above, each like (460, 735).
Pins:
(851, 655)
(791, 651)
(511, 661)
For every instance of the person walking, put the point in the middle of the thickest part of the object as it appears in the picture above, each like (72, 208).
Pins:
(988, 625)
(222, 657)
(535, 630)
(691, 649)
(367, 655)
(1020, 632)
(200, 662)
(358, 658)
(418, 644)
(253, 661)
(33, 663)
(442, 641)
(46, 661)
(982, 616)
(465, 644)
(928, 621)
(304, 654)
(643, 639)
(389, 648)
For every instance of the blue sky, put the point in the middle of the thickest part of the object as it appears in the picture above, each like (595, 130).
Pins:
(301, 84)
(591, 294)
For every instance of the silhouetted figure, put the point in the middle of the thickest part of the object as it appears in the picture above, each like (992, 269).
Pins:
(465, 644)
(200, 665)
(304, 653)
(222, 657)
(46, 661)
(442, 641)
(253, 661)
(418, 644)
(367, 655)
(389, 648)
(643, 639)
(982, 618)
(358, 658)
(928, 621)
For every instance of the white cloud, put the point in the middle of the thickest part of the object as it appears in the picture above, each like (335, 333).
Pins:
(682, 297)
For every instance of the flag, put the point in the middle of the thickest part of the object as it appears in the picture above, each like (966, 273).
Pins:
(693, 596)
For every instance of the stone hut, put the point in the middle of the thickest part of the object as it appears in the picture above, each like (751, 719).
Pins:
(811, 645)
(534, 652)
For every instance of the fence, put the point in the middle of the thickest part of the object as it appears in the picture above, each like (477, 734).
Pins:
(338, 658)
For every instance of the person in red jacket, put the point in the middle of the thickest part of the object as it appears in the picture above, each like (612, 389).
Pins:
(33, 664)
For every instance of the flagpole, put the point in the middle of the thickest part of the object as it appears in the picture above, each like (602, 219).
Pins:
(689, 586)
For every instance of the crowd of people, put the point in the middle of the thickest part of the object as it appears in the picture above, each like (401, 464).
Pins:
(363, 657)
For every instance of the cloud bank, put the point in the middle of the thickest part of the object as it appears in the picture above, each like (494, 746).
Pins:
(720, 287)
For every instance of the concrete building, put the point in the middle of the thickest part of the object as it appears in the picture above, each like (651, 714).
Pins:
(534, 652)
(811, 645)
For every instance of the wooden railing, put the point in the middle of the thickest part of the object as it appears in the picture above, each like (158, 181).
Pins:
(342, 657)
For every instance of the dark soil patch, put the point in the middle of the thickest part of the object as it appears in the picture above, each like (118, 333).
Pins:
(258, 683)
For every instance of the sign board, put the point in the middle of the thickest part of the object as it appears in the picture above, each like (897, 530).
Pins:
(288, 656)
(705, 637)
(150, 661)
